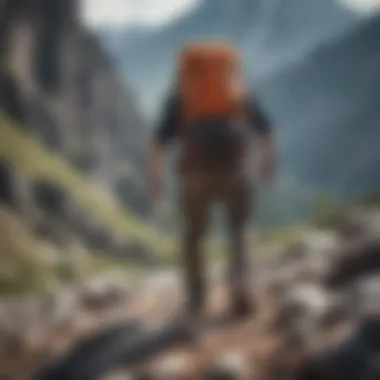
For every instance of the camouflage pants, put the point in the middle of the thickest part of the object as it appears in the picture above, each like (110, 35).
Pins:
(197, 193)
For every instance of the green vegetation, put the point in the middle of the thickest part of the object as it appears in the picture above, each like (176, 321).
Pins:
(272, 241)
(31, 265)
(372, 199)
(328, 213)
(21, 267)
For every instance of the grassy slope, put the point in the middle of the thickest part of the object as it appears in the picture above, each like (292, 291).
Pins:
(20, 269)
(31, 265)
(32, 159)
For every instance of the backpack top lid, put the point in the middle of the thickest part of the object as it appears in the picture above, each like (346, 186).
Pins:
(211, 79)
(208, 50)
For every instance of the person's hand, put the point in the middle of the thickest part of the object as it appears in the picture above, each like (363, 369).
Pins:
(155, 187)
(155, 173)
(268, 176)
(268, 163)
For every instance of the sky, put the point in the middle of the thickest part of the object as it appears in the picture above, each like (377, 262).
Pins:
(159, 12)
(362, 6)
(131, 12)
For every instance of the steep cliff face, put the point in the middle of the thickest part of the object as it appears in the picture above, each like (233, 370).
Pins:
(62, 87)
(71, 136)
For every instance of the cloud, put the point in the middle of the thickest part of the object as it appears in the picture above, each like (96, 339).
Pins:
(362, 6)
(124, 12)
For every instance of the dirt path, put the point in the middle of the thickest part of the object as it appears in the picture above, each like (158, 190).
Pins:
(297, 318)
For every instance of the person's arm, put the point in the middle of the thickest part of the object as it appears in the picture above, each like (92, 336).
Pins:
(166, 132)
(263, 127)
(269, 159)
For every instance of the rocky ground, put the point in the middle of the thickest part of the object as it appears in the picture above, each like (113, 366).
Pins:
(318, 317)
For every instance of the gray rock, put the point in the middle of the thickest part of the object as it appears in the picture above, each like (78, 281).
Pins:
(174, 366)
(354, 259)
(306, 307)
(367, 294)
(61, 308)
(103, 294)
(230, 366)
(134, 251)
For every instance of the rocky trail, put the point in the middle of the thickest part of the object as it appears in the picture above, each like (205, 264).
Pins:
(317, 317)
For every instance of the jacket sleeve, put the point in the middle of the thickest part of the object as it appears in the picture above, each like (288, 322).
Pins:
(260, 120)
(168, 127)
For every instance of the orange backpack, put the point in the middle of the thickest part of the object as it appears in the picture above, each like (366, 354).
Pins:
(212, 92)
(210, 81)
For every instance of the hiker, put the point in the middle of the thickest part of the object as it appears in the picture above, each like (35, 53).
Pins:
(214, 118)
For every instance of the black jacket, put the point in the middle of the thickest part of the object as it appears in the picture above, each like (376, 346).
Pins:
(168, 127)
